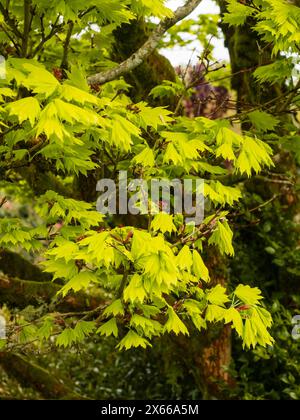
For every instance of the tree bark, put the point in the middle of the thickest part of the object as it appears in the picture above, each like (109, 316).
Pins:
(152, 71)
(22, 293)
(14, 265)
(215, 357)
(147, 48)
(246, 54)
(30, 373)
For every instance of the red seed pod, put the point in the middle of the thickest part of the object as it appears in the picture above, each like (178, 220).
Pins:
(96, 87)
(58, 73)
(81, 238)
(244, 308)
(59, 321)
(128, 237)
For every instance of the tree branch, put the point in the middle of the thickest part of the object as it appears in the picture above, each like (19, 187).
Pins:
(14, 265)
(22, 293)
(29, 373)
(27, 24)
(56, 27)
(10, 21)
(86, 12)
(64, 63)
(10, 37)
(147, 49)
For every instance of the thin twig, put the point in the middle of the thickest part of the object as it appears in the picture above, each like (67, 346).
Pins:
(3, 201)
(253, 210)
(10, 21)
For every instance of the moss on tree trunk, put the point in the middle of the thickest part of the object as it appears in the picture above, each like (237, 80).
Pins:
(50, 386)
(155, 69)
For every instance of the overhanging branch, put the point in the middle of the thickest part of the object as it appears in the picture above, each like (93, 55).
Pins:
(21, 293)
(149, 46)
(29, 373)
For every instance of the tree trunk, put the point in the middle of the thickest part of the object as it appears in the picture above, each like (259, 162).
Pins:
(246, 54)
(155, 69)
(215, 357)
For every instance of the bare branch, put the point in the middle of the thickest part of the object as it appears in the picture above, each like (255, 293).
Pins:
(139, 56)
(10, 37)
(86, 12)
(64, 63)
(10, 22)
(3, 201)
(55, 28)
(27, 25)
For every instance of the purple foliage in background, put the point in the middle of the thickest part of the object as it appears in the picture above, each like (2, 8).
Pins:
(207, 100)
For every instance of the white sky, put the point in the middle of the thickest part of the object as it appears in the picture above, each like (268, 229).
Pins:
(182, 55)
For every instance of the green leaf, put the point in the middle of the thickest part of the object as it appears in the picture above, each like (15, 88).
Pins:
(140, 243)
(50, 125)
(135, 290)
(215, 313)
(167, 89)
(45, 331)
(75, 335)
(151, 8)
(65, 250)
(237, 13)
(184, 259)
(6, 92)
(253, 156)
(109, 328)
(115, 11)
(79, 282)
(123, 132)
(152, 117)
(222, 238)
(66, 338)
(199, 322)
(60, 269)
(262, 334)
(84, 329)
(116, 308)
(20, 154)
(40, 80)
(174, 323)
(150, 310)
(222, 194)
(217, 295)
(276, 72)
(73, 94)
(248, 295)
(148, 327)
(249, 336)
(233, 316)
(265, 316)
(28, 333)
(73, 113)
(145, 158)
(263, 121)
(199, 268)
(163, 222)
(171, 155)
(133, 340)
(25, 109)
